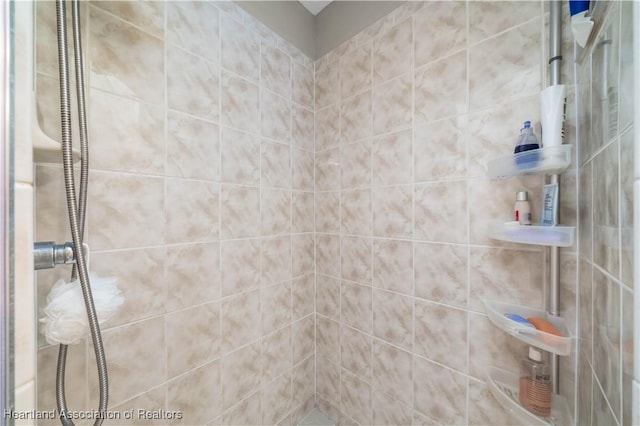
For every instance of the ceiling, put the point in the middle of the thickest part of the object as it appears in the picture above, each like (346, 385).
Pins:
(315, 6)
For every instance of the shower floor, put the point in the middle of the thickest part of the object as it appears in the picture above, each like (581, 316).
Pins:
(316, 418)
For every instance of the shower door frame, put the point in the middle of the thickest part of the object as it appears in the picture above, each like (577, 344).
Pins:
(6, 213)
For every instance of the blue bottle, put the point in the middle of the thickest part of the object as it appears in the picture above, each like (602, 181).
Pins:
(527, 141)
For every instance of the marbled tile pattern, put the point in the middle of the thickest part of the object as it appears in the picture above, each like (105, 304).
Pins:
(403, 207)
(202, 144)
(234, 170)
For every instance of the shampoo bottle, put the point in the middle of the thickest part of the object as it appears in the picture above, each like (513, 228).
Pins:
(535, 384)
(527, 141)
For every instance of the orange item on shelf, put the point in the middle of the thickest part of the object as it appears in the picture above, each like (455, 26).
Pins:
(544, 325)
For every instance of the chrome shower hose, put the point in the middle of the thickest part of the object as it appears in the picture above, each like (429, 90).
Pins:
(77, 206)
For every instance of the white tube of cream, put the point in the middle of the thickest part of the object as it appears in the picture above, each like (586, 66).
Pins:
(552, 104)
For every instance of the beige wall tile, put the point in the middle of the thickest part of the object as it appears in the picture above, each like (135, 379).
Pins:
(276, 400)
(328, 254)
(127, 360)
(355, 212)
(141, 280)
(440, 30)
(327, 211)
(192, 84)
(486, 347)
(487, 19)
(441, 273)
(355, 352)
(496, 74)
(328, 339)
(240, 104)
(355, 162)
(194, 336)
(303, 385)
(393, 318)
(302, 85)
(196, 394)
(393, 159)
(327, 92)
(303, 341)
(356, 259)
(276, 259)
(153, 400)
(505, 274)
(240, 374)
(134, 221)
(240, 157)
(328, 296)
(133, 140)
(276, 306)
(355, 117)
(393, 211)
(355, 71)
(147, 16)
(302, 253)
(76, 378)
(276, 354)
(393, 52)
(302, 127)
(441, 149)
(303, 167)
(388, 411)
(303, 296)
(275, 70)
(275, 112)
(327, 128)
(240, 316)
(240, 49)
(328, 383)
(247, 412)
(116, 63)
(275, 207)
(393, 265)
(302, 212)
(392, 372)
(355, 306)
(445, 222)
(194, 27)
(192, 275)
(193, 148)
(192, 212)
(440, 89)
(240, 266)
(240, 215)
(440, 393)
(276, 165)
(483, 407)
(356, 398)
(441, 334)
(392, 105)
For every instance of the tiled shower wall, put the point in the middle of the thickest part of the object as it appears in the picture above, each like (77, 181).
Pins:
(200, 202)
(605, 82)
(408, 112)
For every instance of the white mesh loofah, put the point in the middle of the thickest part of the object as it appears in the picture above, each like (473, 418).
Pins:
(65, 321)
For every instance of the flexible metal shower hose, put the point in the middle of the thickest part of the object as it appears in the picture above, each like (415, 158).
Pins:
(77, 206)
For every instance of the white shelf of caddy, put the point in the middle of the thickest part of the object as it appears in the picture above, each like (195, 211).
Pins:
(549, 160)
(503, 385)
(559, 345)
(559, 236)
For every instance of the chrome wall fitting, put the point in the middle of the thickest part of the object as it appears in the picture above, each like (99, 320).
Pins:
(47, 255)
